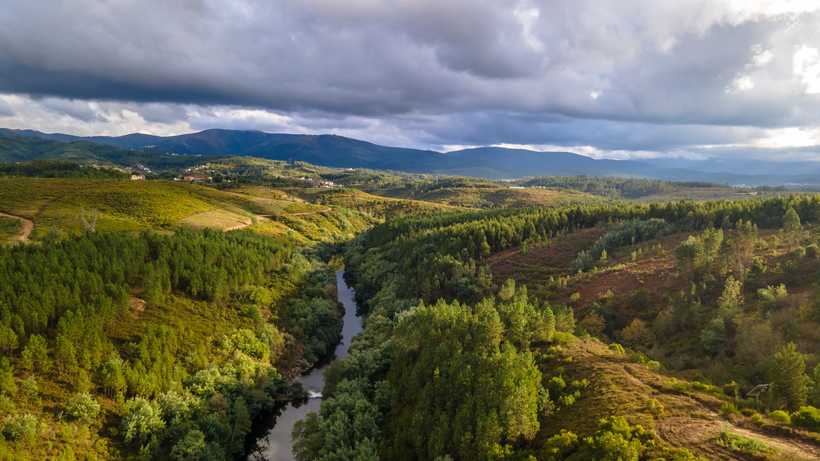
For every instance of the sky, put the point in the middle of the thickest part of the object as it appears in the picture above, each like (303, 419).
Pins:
(616, 79)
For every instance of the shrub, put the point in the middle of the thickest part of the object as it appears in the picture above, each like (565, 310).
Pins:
(82, 407)
(704, 387)
(807, 417)
(20, 427)
(748, 412)
(617, 348)
(655, 407)
(559, 445)
(773, 293)
(813, 251)
(741, 444)
(781, 417)
(728, 409)
(798, 253)
(30, 388)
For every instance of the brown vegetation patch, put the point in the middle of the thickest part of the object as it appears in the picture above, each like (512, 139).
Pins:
(541, 261)
(688, 418)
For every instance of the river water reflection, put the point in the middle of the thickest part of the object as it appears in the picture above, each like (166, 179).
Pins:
(276, 445)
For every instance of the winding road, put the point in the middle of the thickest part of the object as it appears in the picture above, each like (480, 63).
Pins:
(26, 227)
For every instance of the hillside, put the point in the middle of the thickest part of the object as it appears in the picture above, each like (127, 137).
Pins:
(338, 151)
(578, 336)
(141, 315)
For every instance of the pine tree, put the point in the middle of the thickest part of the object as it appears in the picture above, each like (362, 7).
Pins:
(732, 297)
(791, 227)
(241, 425)
(791, 221)
(788, 375)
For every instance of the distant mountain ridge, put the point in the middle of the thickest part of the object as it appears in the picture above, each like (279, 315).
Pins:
(339, 151)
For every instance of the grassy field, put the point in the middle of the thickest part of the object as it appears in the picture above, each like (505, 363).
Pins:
(72, 206)
(374, 205)
(9, 228)
(492, 195)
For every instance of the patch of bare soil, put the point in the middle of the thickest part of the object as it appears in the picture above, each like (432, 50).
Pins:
(137, 305)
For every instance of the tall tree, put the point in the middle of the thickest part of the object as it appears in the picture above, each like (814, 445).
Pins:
(792, 227)
(788, 375)
(460, 388)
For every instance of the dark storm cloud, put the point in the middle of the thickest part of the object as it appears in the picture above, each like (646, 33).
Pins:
(633, 74)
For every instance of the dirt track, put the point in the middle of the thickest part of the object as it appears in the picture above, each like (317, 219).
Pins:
(26, 227)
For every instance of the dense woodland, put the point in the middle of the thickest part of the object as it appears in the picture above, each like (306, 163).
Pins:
(455, 365)
(186, 387)
(153, 340)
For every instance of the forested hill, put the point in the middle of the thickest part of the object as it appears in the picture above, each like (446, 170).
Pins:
(455, 363)
(338, 151)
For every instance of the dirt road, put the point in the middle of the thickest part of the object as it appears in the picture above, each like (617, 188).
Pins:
(26, 226)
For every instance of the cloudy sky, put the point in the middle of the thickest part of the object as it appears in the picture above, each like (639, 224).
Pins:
(625, 78)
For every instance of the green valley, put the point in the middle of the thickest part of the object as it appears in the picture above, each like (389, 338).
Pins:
(558, 318)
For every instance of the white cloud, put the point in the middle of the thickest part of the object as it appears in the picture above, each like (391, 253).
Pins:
(806, 64)
(739, 84)
(792, 137)
(760, 56)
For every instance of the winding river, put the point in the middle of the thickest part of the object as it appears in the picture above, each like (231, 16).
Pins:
(276, 445)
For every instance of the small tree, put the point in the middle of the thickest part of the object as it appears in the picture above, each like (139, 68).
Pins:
(791, 221)
(8, 339)
(732, 297)
(742, 247)
(548, 328)
(142, 422)
(65, 355)
(791, 227)
(593, 323)
(35, 355)
(507, 290)
(637, 333)
(82, 407)
(7, 384)
(788, 374)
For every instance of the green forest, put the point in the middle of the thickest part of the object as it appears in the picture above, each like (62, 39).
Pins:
(171, 325)
(457, 364)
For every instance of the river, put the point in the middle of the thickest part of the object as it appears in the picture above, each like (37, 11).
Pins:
(276, 445)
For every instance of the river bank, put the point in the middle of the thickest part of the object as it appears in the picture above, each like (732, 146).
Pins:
(276, 444)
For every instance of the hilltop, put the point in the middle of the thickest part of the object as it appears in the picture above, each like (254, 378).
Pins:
(339, 151)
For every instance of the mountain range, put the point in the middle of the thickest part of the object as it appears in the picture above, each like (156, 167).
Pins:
(339, 151)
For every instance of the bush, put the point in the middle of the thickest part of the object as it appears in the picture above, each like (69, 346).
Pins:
(807, 417)
(738, 443)
(781, 417)
(728, 409)
(655, 407)
(82, 407)
(617, 348)
(813, 251)
(20, 427)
